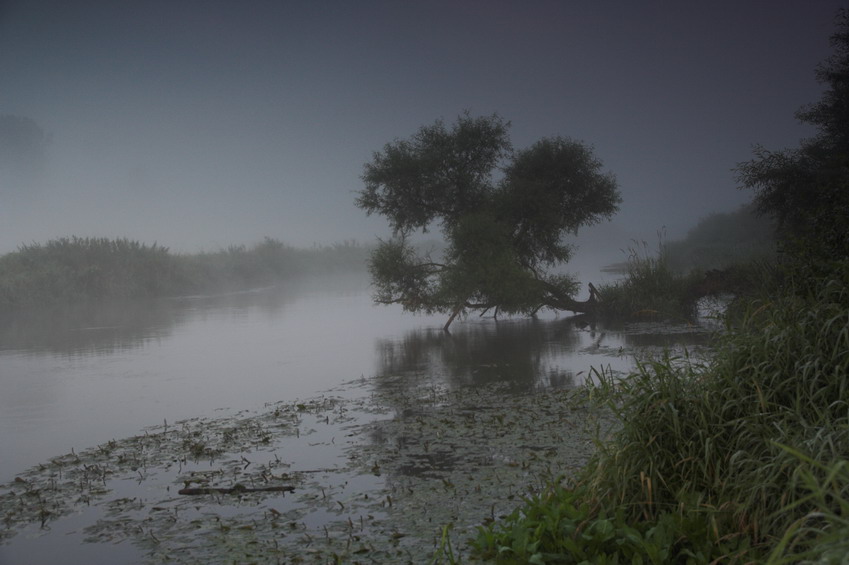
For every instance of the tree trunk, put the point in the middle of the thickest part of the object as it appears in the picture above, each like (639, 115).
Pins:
(454, 314)
(562, 302)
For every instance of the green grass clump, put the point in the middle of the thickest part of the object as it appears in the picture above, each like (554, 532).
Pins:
(568, 526)
(741, 459)
(650, 288)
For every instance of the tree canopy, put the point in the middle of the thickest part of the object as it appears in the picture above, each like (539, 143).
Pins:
(504, 216)
(807, 189)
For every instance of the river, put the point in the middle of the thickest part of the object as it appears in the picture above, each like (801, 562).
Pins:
(75, 378)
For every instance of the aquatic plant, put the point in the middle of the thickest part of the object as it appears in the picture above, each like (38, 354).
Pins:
(408, 473)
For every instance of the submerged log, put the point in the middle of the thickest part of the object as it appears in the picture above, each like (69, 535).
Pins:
(236, 489)
(560, 302)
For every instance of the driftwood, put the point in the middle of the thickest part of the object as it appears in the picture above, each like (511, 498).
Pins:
(560, 302)
(237, 489)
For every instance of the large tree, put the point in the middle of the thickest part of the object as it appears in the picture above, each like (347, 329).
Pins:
(504, 216)
(807, 189)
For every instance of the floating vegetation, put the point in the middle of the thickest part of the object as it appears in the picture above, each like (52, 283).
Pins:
(390, 475)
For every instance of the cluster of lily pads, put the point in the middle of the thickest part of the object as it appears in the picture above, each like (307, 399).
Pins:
(360, 477)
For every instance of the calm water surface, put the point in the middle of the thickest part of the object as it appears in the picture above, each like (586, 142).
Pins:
(74, 379)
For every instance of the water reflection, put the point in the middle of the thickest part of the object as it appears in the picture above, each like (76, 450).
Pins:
(115, 326)
(76, 378)
(527, 354)
(99, 329)
(461, 423)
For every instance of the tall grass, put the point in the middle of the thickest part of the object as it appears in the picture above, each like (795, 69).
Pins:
(741, 459)
(650, 288)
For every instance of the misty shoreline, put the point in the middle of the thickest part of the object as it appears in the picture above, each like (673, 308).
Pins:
(71, 270)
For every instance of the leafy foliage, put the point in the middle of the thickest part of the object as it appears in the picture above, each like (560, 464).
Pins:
(72, 268)
(807, 189)
(503, 214)
(563, 526)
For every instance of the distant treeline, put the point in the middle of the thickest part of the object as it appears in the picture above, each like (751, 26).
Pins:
(724, 253)
(77, 268)
(723, 239)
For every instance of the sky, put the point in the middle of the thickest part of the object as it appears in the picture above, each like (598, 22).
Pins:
(201, 124)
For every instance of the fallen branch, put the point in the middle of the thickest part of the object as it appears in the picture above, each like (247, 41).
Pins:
(237, 489)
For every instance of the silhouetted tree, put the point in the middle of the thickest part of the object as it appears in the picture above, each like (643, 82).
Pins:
(504, 216)
(807, 189)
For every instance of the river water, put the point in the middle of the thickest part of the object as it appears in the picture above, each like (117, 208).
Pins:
(75, 378)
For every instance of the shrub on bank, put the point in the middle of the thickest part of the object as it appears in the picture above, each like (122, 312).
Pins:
(650, 288)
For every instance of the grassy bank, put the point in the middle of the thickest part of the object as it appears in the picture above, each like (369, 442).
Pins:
(72, 269)
(740, 460)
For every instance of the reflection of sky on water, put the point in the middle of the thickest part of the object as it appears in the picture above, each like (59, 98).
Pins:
(80, 377)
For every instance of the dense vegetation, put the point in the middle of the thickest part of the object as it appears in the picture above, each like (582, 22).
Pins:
(72, 269)
(667, 282)
(649, 288)
(743, 458)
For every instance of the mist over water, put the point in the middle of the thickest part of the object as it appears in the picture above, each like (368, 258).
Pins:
(76, 378)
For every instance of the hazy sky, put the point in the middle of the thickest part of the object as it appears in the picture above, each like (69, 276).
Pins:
(199, 124)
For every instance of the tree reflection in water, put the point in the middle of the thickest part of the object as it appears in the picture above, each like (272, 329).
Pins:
(525, 354)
